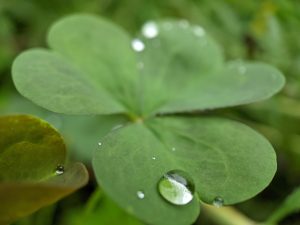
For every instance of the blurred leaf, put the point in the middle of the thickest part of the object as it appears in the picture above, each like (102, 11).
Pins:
(59, 85)
(99, 75)
(218, 154)
(289, 206)
(81, 133)
(30, 151)
(106, 212)
(102, 51)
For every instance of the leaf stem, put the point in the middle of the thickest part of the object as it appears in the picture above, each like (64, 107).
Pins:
(227, 216)
(93, 201)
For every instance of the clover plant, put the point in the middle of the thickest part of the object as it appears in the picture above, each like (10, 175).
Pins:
(161, 164)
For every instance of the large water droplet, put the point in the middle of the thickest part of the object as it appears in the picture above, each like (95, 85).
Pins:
(218, 202)
(176, 187)
(150, 30)
(60, 169)
(140, 194)
(137, 45)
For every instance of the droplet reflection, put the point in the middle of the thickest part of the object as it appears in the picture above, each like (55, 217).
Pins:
(60, 169)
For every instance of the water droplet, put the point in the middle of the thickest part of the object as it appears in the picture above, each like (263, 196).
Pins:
(167, 26)
(173, 149)
(176, 187)
(242, 69)
(184, 24)
(140, 194)
(99, 143)
(140, 65)
(150, 30)
(218, 202)
(60, 169)
(154, 158)
(137, 45)
(199, 31)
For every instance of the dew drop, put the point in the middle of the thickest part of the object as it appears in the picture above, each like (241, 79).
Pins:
(176, 187)
(242, 69)
(154, 158)
(99, 143)
(184, 24)
(140, 65)
(60, 169)
(199, 31)
(140, 194)
(150, 30)
(167, 26)
(218, 202)
(137, 45)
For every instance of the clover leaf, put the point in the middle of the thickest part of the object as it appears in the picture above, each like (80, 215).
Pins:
(95, 67)
(32, 171)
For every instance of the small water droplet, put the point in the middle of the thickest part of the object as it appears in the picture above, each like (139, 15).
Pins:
(140, 194)
(199, 31)
(140, 65)
(137, 45)
(242, 69)
(176, 187)
(154, 158)
(60, 169)
(150, 30)
(218, 202)
(184, 24)
(173, 149)
(99, 143)
(167, 26)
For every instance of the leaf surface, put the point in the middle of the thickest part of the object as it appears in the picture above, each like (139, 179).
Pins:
(53, 82)
(216, 153)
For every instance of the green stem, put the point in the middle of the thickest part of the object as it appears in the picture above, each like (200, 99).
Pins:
(93, 201)
(227, 216)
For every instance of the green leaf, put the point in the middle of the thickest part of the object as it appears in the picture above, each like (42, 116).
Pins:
(183, 57)
(58, 85)
(216, 153)
(30, 151)
(289, 206)
(102, 50)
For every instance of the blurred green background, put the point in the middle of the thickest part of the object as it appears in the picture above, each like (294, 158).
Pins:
(262, 30)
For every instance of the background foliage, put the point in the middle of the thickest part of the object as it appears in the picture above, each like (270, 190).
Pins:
(264, 30)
